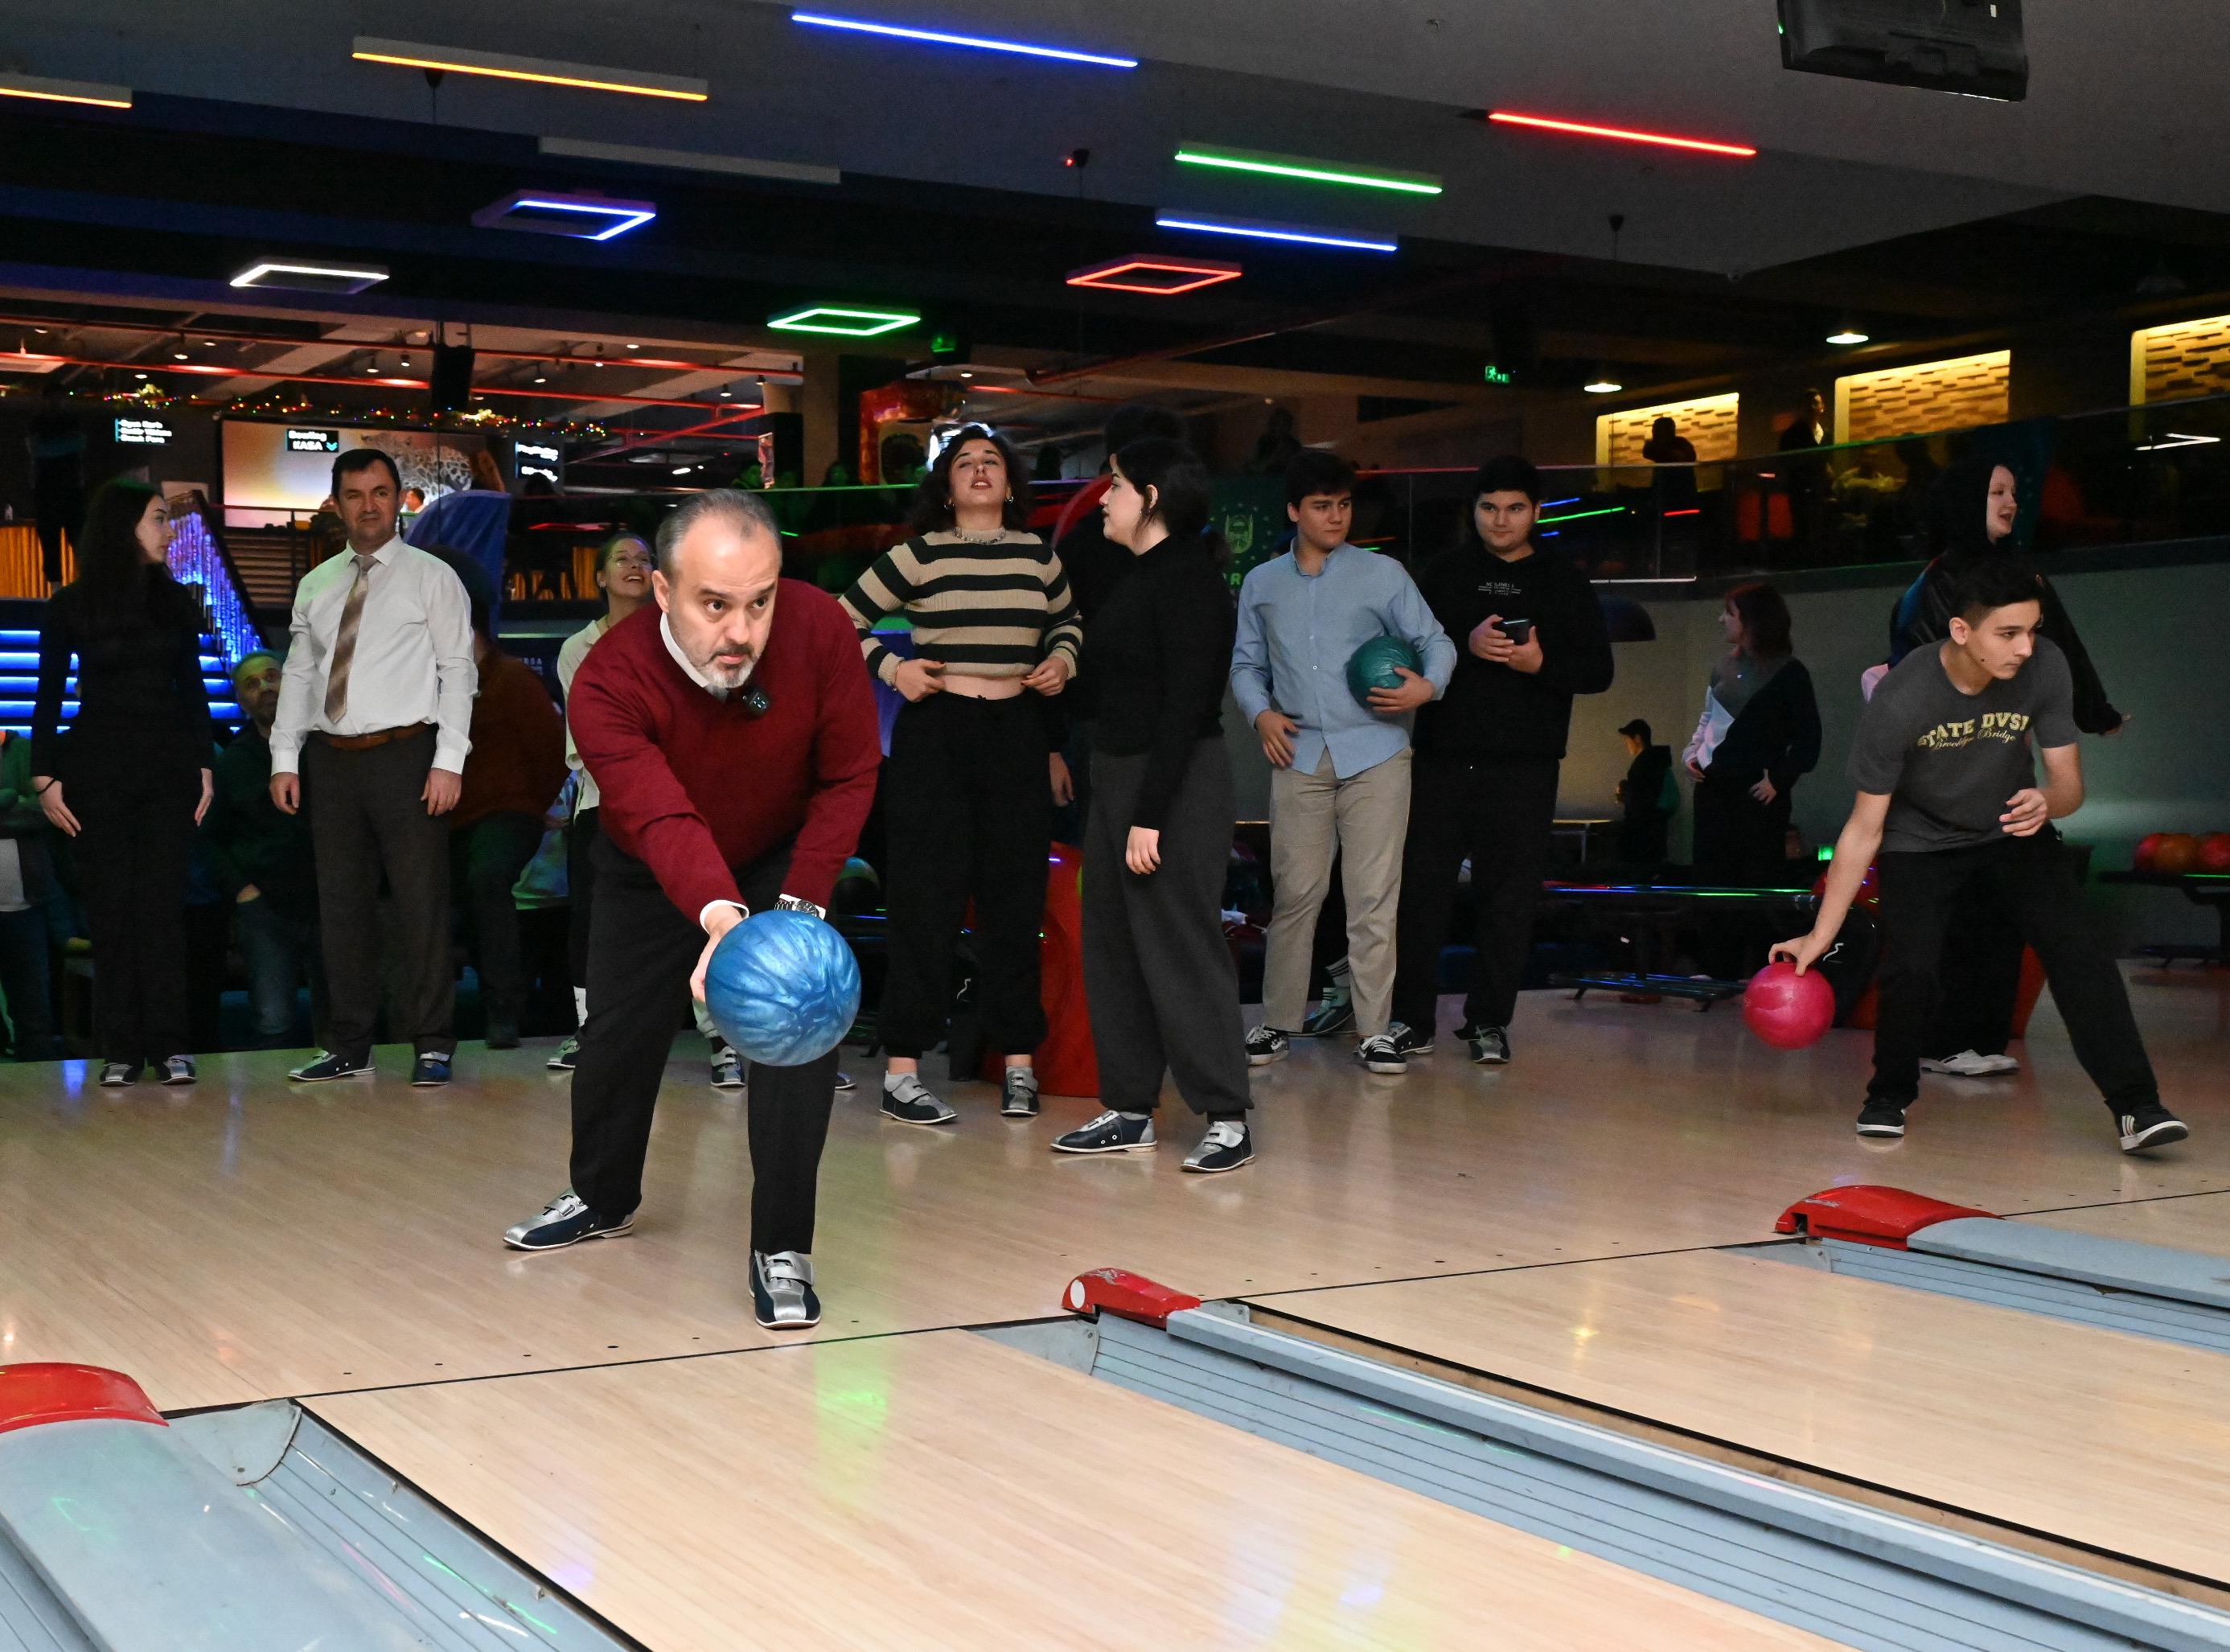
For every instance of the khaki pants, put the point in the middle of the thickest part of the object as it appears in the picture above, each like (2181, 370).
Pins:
(1365, 817)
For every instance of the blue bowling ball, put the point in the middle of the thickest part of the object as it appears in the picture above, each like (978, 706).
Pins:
(1372, 666)
(783, 988)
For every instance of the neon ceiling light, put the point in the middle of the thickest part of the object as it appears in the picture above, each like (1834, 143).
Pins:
(586, 217)
(1253, 229)
(542, 71)
(978, 42)
(1623, 135)
(92, 92)
(310, 278)
(1156, 272)
(1602, 387)
(1307, 171)
(2178, 439)
(843, 322)
(1847, 336)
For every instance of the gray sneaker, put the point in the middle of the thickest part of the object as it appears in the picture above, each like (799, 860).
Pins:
(907, 1099)
(727, 1070)
(782, 1290)
(1490, 1046)
(1227, 1146)
(1018, 1097)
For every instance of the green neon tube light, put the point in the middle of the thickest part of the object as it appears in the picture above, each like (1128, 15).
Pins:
(1308, 170)
(1574, 516)
(846, 323)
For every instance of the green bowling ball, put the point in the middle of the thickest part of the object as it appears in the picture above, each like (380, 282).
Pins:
(1373, 666)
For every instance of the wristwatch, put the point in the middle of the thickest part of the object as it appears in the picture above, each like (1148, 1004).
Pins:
(798, 903)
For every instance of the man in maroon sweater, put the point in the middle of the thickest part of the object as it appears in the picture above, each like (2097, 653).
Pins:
(737, 760)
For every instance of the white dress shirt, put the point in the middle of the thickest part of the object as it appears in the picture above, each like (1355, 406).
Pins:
(413, 661)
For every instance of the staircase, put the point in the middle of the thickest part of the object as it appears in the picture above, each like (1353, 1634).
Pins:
(19, 680)
(271, 563)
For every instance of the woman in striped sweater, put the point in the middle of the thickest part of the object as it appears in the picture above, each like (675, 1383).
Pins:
(967, 800)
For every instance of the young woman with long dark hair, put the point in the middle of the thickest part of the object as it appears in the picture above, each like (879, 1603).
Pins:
(132, 778)
(1759, 731)
(968, 794)
(1163, 993)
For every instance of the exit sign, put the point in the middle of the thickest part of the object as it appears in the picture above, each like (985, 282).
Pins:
(1500, 375)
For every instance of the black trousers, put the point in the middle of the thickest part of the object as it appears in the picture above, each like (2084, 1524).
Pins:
(1157, 973)
(1499, 812)
(1739, 840)
(1924, 895)
(132, 853)
(485, 861)
(24, 968)
(368, 819)
(581, 838)
(1980, 982)
(642, 950)
(968, 816)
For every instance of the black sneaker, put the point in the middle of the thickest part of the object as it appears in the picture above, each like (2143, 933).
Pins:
(1380, 1057)
(502, 1035)
(564, 1221)
(1490, 1046)
(1018, 1098)
(329, 1067)
(781, 1291)
(1264, 1045)
(1228, 1144)
(2150, 1126)
(1411, 1042)
(1880, 1118)
(429, 1072)
(178, 1069)
(566, 1055)
(114, 1076)
(1110, 1132)
(846, 1082)
(908, 1100)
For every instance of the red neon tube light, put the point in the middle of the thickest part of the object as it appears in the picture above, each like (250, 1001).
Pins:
(1623, 134)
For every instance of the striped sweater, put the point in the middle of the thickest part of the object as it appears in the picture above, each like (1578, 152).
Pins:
(983, 610)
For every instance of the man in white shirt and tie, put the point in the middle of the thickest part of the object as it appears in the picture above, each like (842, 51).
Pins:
(373, 713)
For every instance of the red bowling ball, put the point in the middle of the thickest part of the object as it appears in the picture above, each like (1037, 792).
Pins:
(1786, 1009)
(2177, 852)
(2147, 849)
(2215, 853)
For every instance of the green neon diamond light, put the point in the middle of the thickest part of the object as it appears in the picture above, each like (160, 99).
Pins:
(842, 321)
(1308, 170)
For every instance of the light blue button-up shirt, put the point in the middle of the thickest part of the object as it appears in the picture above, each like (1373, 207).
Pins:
(1296, 632)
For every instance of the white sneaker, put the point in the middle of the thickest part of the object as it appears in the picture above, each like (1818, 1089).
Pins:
(1970, 1064)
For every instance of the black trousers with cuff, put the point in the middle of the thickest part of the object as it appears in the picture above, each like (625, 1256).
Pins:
(642, 950)
(1500, 812)
(1924, 895)
(967, 808)
(368, 821)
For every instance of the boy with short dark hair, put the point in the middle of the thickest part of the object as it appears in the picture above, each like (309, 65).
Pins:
(1944, 765)
(1339, 771)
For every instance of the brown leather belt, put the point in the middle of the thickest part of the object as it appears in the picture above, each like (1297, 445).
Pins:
(366, 742)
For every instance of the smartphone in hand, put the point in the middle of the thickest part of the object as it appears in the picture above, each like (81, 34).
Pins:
(1518, 630)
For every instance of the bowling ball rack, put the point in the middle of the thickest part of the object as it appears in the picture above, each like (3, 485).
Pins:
(2201, 889)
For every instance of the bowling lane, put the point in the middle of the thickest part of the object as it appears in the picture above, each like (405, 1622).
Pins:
(943, 1491)
(2107, 1440)
(2201, 1223)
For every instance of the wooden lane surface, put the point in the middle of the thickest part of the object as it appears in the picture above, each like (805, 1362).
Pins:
(2108, 1440)
(943, 1491)
(2202, 1223)
(248, 1238)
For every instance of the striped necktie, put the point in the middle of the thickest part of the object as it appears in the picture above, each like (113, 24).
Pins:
(344, 642)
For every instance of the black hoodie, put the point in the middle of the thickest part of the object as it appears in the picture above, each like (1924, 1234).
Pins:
(1962, 535)
(1489, 710)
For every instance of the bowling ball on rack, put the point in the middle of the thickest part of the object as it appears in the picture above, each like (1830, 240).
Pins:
(1373, 666)
(1786, 1009)
(2213, 853)
(2176, 851)
(783, 988)
(2148, 849)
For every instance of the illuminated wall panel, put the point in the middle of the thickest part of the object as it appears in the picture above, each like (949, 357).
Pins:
(1708, 421)
(2184, 358)
(1928, 395)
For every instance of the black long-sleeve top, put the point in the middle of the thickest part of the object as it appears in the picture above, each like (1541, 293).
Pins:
(139, 693)
(1775, 736)
(1924, 614)
(249, 840)
(1494, 711)
(1160, 651)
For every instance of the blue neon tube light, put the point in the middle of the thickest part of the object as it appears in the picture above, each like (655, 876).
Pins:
(1255, 231)
(626, 218)
(980, 42)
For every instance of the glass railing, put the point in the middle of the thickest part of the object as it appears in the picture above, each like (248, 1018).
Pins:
(2123, 476)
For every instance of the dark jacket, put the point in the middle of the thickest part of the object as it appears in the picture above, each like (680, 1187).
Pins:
(1490, 710)
(142, 708)
(1775, 736)
(23, 820)
(1642, 792)
(248, 839)
(1924, 613)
